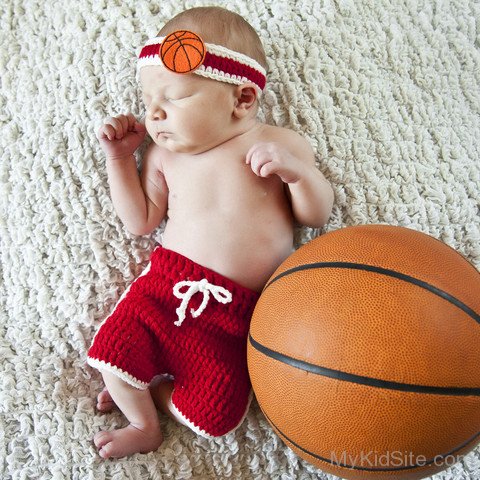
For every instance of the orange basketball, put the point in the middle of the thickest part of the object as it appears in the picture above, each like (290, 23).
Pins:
(182, 51)
(364, 353)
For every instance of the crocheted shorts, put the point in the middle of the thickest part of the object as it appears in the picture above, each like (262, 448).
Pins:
(156, 329)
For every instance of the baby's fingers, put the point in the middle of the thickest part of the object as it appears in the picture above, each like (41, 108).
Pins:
(120, 125)
(258, 162)
(124, 123)
(131, 121)
(267, 169)
(254, 151)
(106, 131)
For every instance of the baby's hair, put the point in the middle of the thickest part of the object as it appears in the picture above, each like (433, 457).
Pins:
(221, 27)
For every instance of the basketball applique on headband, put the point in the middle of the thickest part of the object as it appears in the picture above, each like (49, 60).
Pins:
(185, 52)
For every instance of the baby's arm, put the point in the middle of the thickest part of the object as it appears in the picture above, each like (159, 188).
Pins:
(310, 193)
(140, 201)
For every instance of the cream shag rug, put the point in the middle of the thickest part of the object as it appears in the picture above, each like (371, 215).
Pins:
(388, 93)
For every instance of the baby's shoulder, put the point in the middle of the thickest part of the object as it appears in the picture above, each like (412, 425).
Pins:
(155, 156)
(286, 137)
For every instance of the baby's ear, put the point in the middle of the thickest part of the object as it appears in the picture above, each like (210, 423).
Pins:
(245, 99)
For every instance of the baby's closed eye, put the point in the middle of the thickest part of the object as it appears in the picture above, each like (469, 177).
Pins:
(177, 97)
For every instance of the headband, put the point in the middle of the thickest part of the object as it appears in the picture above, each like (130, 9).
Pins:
(185, 52)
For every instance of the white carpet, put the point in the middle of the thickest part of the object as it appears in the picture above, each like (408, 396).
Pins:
(389, 96)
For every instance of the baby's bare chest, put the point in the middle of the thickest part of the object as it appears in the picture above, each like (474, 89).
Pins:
(219, 185)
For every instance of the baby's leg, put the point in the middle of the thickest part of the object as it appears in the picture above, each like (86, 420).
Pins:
(161, 392)
(143, 434)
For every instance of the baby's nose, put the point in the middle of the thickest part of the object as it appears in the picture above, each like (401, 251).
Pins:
(155, 112)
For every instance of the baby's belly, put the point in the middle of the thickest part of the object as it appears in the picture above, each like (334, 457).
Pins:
(245, 250)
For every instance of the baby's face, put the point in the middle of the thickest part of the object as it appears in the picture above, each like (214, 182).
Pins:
(186, 113)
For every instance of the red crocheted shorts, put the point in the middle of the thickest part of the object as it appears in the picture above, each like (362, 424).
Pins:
(205, 355)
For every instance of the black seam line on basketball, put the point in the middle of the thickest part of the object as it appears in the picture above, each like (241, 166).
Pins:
(164, 52)
(382, 271)
(359, 379)
(200, 52)
(381, 469)
(177, 38)
(186, 56)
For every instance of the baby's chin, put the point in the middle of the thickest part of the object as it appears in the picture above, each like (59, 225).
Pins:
(170, 143)
(175, 146)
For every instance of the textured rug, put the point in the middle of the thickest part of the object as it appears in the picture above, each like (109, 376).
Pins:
(388, 93)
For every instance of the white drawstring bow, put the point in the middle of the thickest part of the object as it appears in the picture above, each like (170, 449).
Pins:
(221, 294)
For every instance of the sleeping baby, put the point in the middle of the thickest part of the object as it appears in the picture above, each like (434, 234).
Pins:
(230, 189)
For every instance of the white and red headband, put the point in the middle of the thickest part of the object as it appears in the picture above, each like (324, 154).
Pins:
(185, 52)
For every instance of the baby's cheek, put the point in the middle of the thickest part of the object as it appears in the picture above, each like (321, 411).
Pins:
(199, 130)
(149, 128)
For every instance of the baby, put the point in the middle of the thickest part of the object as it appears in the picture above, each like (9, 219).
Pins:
(231, 189)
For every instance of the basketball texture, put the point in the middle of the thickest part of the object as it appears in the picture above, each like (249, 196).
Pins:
(364, 353)
(182, 51)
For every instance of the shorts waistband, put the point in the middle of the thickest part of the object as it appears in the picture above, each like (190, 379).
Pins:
(176, 268)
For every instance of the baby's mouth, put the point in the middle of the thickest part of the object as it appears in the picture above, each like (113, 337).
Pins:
(164, 134)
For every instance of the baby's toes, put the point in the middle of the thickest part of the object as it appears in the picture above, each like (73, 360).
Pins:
(104, 396)
(102, 438)
(104, 401)
(103, 441)
(106, 451)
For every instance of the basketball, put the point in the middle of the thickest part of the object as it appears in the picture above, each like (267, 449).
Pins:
(364, 353)
(182, 51)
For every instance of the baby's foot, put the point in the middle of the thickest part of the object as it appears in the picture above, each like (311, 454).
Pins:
(104, 401)
(128, 440)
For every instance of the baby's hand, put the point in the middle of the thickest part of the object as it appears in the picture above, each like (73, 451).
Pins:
(120, 136)
(271, 158)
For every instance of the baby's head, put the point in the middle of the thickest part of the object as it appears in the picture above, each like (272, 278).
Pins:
(219, 26)
(193, 112)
